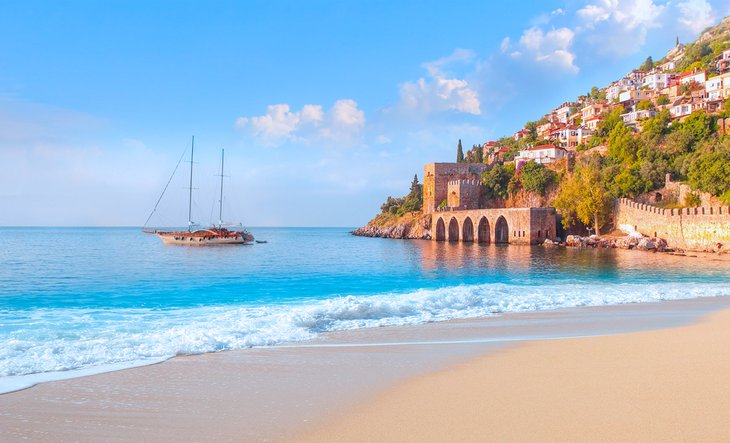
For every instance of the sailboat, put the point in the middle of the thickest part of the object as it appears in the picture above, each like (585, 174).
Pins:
(214, 235)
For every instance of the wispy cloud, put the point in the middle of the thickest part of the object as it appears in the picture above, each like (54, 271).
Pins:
(342, 123)
(695, 15)
(552, 48)
(441, 91)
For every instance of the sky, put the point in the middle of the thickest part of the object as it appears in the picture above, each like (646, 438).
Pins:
(324, 108)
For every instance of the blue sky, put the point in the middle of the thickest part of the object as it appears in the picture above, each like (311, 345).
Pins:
(324, 108)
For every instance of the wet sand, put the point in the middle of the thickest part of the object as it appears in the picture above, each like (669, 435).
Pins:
(286, 392)
(664, 385)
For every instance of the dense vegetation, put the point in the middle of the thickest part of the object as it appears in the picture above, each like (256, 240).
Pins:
(412, 202)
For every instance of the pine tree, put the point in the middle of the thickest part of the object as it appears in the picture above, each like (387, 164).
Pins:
(648, 64)
(459, 153)
(415, 186)
(478, 154)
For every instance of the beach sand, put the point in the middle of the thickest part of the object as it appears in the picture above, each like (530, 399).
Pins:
(664, 385)
(397, 385)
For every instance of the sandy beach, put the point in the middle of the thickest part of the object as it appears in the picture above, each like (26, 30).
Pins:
(664, 385)
(462, 380)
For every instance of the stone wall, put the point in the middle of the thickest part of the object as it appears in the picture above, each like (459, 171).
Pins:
(517, 225)
(436, 177)
(677, 192)
(464, 194)
(699, 229)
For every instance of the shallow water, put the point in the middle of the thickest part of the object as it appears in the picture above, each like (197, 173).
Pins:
(84, 298)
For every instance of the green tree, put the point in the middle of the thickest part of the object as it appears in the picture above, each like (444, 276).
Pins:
(583, 198)
(612, 119)
(710, 172)
(622, 144)
(663, 100)
(648, 64)
(645, 105)
(478, 154)
(496, 180)
(459, 153)
(536, 178)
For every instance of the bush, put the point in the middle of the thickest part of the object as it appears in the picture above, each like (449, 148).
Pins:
(710, 172)
(496, 180)
(536, 178)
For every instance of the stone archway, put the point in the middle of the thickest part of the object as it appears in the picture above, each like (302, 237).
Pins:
(501, 230)
(483, 231)
(440, 230)
(453, 229)
(467, 231)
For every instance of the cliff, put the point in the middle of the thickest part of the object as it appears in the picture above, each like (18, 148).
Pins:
(412, 225)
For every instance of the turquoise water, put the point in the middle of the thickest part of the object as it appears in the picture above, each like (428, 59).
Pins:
(83, 298)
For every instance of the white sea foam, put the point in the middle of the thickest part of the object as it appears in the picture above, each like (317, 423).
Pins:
(43, 345)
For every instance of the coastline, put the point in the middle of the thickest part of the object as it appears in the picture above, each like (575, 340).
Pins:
(284, 391)
(662, 385)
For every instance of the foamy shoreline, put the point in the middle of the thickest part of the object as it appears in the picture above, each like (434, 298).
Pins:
(278, 392)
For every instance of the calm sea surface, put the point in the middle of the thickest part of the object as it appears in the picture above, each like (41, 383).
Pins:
(88, 298)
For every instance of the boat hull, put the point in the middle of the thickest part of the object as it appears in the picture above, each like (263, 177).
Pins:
(212, 239)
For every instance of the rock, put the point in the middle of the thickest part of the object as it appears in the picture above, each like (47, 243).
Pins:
(575, 241)
(646, 244)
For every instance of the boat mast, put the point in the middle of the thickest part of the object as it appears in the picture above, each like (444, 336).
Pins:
(190, 194)
(220, 213)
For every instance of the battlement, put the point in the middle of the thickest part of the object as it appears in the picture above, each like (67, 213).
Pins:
(698, 211)
(446, 182)
(699, 228)
(465, 182)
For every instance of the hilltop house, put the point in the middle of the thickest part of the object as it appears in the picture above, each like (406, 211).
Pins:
(634, 118)
(656, 80)
(631, 98)
(593, 110)
(570, 136)
(722, 63)
(542, 154)
(693, 76)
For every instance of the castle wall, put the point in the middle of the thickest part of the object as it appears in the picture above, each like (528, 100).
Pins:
(699, 229)
(463, 194)
(436, 177)
(524, 225)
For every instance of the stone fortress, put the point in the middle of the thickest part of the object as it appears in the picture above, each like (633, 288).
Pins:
(453, 197)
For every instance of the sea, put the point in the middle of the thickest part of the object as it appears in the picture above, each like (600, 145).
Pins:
(76, 301)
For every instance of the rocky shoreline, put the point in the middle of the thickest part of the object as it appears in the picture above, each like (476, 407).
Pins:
(399, 231)
(652, 244)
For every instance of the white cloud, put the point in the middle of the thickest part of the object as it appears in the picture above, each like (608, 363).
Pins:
(552, 48)
(383, 140)
(696, 15)
(504, 46)
(630, 14)
(618, 27)
(310, 124)
(441, 91)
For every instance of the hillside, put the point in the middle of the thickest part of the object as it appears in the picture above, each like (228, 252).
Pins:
(670, 118)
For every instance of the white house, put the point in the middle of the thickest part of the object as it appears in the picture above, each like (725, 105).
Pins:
(541, 154)
(714, 89)
(693, 76)
(657, 80)
(631, 118)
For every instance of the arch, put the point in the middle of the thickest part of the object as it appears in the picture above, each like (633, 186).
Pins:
(467, 230)
(501, 230)
(453, 229)
(483, 231)
(440, 230)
